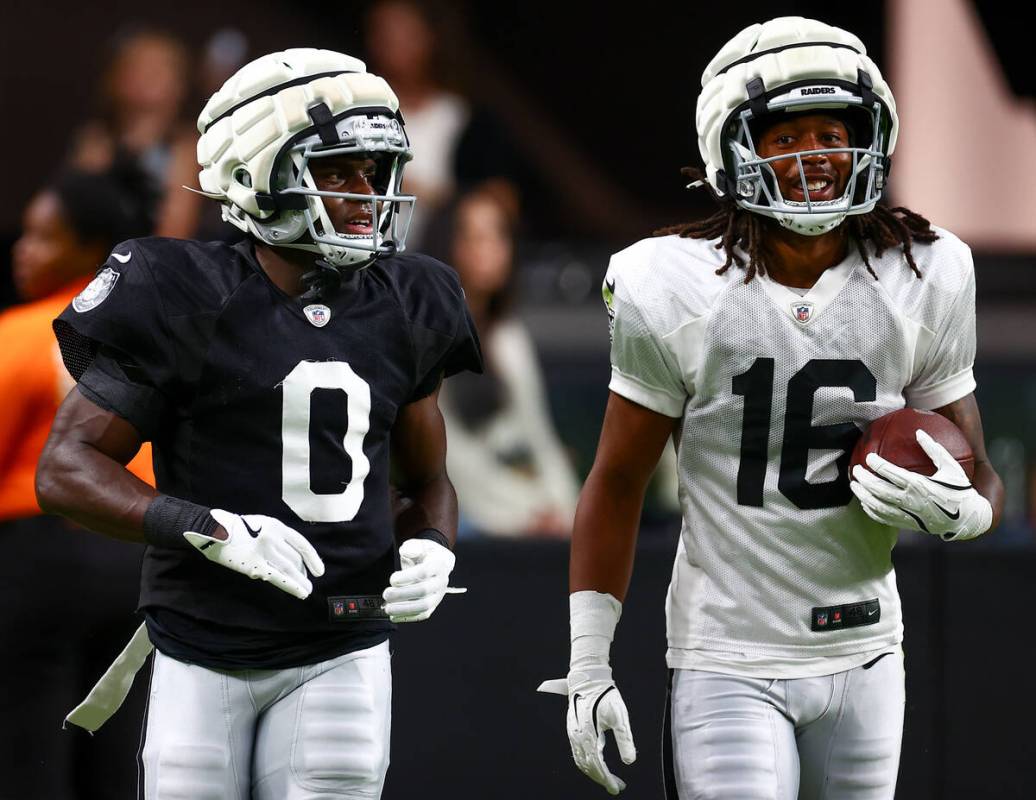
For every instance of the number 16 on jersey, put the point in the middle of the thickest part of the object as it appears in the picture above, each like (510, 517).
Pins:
(800, 434)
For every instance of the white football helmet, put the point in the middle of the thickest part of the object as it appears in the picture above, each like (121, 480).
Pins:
(793, 64)
(260, 131)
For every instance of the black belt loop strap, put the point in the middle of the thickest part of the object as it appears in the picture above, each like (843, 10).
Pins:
(324, 123)
(143, 730)
(669, 786)
(866, 88)
(756, 96)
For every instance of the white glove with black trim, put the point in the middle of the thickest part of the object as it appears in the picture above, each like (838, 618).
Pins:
(945, 504)
(594, 703)
(416, 589)
(262, 548)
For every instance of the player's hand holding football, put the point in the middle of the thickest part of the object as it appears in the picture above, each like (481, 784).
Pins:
(945, 504)
(594, 703)
(416, 589)
(262, 548)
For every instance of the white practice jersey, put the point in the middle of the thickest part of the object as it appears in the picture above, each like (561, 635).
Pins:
(779, 572)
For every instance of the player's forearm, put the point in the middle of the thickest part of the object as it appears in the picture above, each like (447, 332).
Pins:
(79, 482)
(988, 484)
(604, 537)
(431, 503)
(964, 413)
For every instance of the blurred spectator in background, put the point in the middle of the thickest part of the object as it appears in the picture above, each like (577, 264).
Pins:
(455, 145)
(67, 597)
(510, 471)
(68, 230)
(223, 54)
(140, 121)
(403, 46)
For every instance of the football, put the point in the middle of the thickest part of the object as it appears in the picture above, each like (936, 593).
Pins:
(893, 438)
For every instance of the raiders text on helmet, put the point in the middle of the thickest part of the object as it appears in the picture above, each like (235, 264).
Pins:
(793, 64)
(260, 131)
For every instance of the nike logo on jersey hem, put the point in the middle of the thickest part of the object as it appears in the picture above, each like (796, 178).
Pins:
(875, 660)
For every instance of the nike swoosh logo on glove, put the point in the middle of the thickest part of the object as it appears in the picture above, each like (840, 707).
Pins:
(952, 485)
(599, 699)
(917, 519)
(255, 533)
(575, 705)
(955, 515)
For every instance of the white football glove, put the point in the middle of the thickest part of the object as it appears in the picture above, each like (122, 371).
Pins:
(945, 504)
(262, 548)
(594, 702)
(416, 589)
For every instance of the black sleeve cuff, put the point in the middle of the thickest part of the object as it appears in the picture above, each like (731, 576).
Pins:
(167, 518)
(434, 535)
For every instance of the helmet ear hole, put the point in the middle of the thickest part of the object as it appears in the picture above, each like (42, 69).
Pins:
(242, 176)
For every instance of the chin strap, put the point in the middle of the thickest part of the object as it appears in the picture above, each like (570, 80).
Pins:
(324, 279)
(327, 279)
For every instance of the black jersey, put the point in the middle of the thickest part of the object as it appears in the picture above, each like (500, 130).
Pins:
(260, 403)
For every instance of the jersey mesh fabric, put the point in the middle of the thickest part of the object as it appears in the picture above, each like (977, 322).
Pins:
(748, 574)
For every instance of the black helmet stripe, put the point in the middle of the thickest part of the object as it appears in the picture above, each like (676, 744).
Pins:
(274, 89)
(754, 56)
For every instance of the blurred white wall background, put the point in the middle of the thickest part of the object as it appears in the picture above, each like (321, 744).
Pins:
(966, 157)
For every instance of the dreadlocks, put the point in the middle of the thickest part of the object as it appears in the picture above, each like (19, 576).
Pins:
(736, 229)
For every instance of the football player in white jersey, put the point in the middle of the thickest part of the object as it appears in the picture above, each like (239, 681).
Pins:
(761, 340)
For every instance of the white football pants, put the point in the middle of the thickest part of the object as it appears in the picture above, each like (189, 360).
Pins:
(318, 731)
(836, 737)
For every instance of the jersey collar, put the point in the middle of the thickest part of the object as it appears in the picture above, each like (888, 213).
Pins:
(804, 309)
(337, 300)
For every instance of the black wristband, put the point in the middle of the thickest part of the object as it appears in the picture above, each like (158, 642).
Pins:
(434, 535)
(167, 518)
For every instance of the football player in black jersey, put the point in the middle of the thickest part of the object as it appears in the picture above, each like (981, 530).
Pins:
(274, 378)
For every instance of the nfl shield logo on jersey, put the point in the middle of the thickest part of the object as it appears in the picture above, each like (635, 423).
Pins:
(803, 311)
(317, 314)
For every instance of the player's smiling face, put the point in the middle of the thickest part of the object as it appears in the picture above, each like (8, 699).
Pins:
(827, 174)
(352, 174)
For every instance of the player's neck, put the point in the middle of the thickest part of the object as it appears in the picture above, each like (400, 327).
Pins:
(799, 261)
(285, 267)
